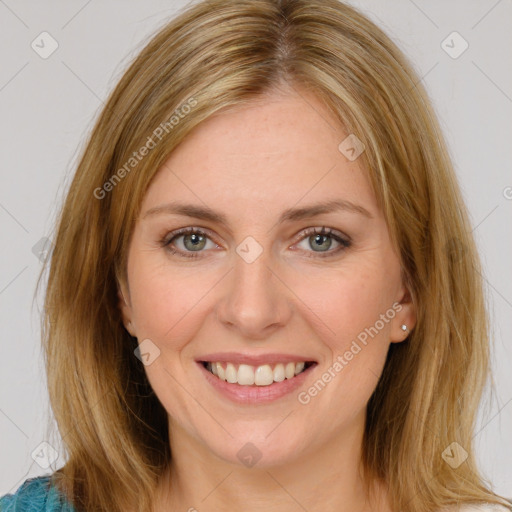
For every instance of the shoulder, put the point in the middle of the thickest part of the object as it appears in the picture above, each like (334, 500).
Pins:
(35, 495)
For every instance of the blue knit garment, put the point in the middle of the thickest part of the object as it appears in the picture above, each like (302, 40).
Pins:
(35, 495)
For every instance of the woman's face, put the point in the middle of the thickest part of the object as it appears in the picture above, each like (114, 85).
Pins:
(260, 288)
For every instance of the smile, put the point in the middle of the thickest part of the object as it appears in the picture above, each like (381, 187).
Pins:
(249, 375)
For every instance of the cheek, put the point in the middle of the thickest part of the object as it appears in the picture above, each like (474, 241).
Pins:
(343, 304)
(167, 308)
(346, 314)
(163, 299)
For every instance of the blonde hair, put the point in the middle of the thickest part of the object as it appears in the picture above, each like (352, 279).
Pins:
(219, 54)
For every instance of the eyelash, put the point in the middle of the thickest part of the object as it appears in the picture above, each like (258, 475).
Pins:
(344, 243)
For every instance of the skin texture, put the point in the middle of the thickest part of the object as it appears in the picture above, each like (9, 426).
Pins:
(251, 164)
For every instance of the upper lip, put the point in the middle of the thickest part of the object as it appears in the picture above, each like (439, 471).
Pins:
(253, 359)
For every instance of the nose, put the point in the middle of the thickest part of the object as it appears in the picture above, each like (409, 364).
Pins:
(255, 301)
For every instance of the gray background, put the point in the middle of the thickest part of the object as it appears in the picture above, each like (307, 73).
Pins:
(49, 105)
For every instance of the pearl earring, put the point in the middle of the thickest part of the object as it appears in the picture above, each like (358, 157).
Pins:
(403, 327)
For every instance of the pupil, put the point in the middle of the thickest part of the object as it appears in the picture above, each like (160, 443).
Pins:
(318, 239)
(193, 241)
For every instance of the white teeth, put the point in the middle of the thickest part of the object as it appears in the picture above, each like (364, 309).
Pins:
(220, 371)
(279, 372)
(289, 370)
(245, 375)
(231, 375)
(262, 375)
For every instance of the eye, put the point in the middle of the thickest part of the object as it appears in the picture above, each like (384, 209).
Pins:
(322, 238)
(193, 240)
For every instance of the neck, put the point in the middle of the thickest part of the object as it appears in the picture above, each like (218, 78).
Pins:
(328, 476)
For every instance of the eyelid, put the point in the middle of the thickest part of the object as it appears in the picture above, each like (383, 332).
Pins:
(324, 230)
(186, 231)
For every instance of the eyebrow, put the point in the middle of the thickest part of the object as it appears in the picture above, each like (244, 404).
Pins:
(289, 215)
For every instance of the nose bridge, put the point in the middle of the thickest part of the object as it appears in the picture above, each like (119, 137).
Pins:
(255, 301)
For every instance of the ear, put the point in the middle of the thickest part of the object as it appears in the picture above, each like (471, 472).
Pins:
(125, 307)
(405, 316)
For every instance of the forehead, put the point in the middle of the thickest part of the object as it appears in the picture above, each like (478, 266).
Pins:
(276, 151)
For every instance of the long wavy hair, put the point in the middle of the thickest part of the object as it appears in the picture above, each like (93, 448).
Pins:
(224, 53)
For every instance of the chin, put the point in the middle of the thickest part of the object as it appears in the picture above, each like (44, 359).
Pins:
(261, 449)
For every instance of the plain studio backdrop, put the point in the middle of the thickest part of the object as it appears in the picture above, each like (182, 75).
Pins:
(52, 91)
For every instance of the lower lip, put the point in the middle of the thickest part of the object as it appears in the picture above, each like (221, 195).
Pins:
(255, 394)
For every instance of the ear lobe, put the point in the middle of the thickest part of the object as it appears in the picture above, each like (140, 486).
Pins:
(125, 309)
(405, 318)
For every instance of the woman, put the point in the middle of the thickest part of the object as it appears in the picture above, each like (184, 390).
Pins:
(264, 293)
